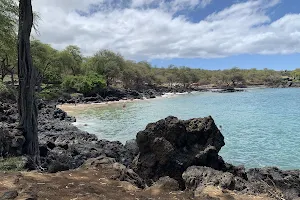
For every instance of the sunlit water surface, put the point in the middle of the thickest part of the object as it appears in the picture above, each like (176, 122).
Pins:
(261, 126)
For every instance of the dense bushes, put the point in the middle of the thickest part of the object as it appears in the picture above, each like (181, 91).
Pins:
(51, 92)
(85, 84)
(57, 65)
(7, 92)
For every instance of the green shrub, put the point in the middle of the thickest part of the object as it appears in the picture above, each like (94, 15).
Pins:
(12, 164)
(7, 92)
(3, 88)
(85, 84)
(50, 93)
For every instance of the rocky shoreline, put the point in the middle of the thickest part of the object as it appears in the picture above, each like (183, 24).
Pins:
(113, 94)
(169, 151)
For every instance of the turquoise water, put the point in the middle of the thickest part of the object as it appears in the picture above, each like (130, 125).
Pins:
(261, 126)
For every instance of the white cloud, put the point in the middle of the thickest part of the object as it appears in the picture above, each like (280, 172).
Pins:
(172, 5)
(140, 3)
(141, 31)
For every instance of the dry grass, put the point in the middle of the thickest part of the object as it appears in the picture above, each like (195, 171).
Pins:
(97, 184)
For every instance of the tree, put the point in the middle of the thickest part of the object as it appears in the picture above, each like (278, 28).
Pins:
(27, 75)
(135, 75)
(296, 74)
(236, 76)
(184, 76)
(71, 59)
(46, 60)
(8, 21)
(8, 37)
(109, 64)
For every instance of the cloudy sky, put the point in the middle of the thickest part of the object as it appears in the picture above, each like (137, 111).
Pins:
(211, 34)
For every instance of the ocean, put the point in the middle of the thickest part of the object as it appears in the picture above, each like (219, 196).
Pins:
(261, 126)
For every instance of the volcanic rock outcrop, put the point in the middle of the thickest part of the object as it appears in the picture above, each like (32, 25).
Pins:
(169, 146)
(187, 151)
(62, 145)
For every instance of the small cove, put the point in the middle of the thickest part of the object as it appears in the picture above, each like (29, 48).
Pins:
(261, 126)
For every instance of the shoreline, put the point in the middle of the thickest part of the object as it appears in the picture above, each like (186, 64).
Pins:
(133, 96)
(71, 107)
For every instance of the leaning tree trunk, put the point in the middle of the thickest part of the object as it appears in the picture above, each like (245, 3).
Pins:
(27, 76)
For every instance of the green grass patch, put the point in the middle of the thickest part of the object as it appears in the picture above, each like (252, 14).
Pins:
(12, 164)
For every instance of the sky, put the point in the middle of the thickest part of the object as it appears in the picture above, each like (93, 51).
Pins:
(207, 34)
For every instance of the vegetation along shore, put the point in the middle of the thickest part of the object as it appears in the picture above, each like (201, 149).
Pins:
(68, 75)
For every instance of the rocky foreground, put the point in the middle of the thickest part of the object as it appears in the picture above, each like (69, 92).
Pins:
(99, 183)
(180, 155)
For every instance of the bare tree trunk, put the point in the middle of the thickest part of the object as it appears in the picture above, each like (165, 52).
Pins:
(2, 70)
(27, 76)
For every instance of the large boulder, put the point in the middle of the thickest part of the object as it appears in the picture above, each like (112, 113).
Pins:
(198, 177)
(11, 138)
(11, 142)
(122, 172)
(169, 146)
(132, 147)
(272, 179)
(73, 155)
(165, 184)
(62, 115)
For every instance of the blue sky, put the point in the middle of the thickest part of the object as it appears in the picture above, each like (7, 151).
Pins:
(277, 62)
(209, 34)
(246, 61)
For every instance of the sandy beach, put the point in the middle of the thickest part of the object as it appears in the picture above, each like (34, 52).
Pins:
(72, 109)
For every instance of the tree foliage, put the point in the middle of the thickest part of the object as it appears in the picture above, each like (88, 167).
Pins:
(109, 64)
(9, 18)
(8, 37)
(71, 59)
(85, 84)
(47, 61)
(8, 28)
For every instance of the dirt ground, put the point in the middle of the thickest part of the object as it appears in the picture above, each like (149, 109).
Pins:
(94, 184)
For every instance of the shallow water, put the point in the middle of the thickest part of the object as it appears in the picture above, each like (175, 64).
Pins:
(261, 126)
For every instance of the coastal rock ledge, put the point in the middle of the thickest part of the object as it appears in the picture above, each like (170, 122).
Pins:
(187, 151)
